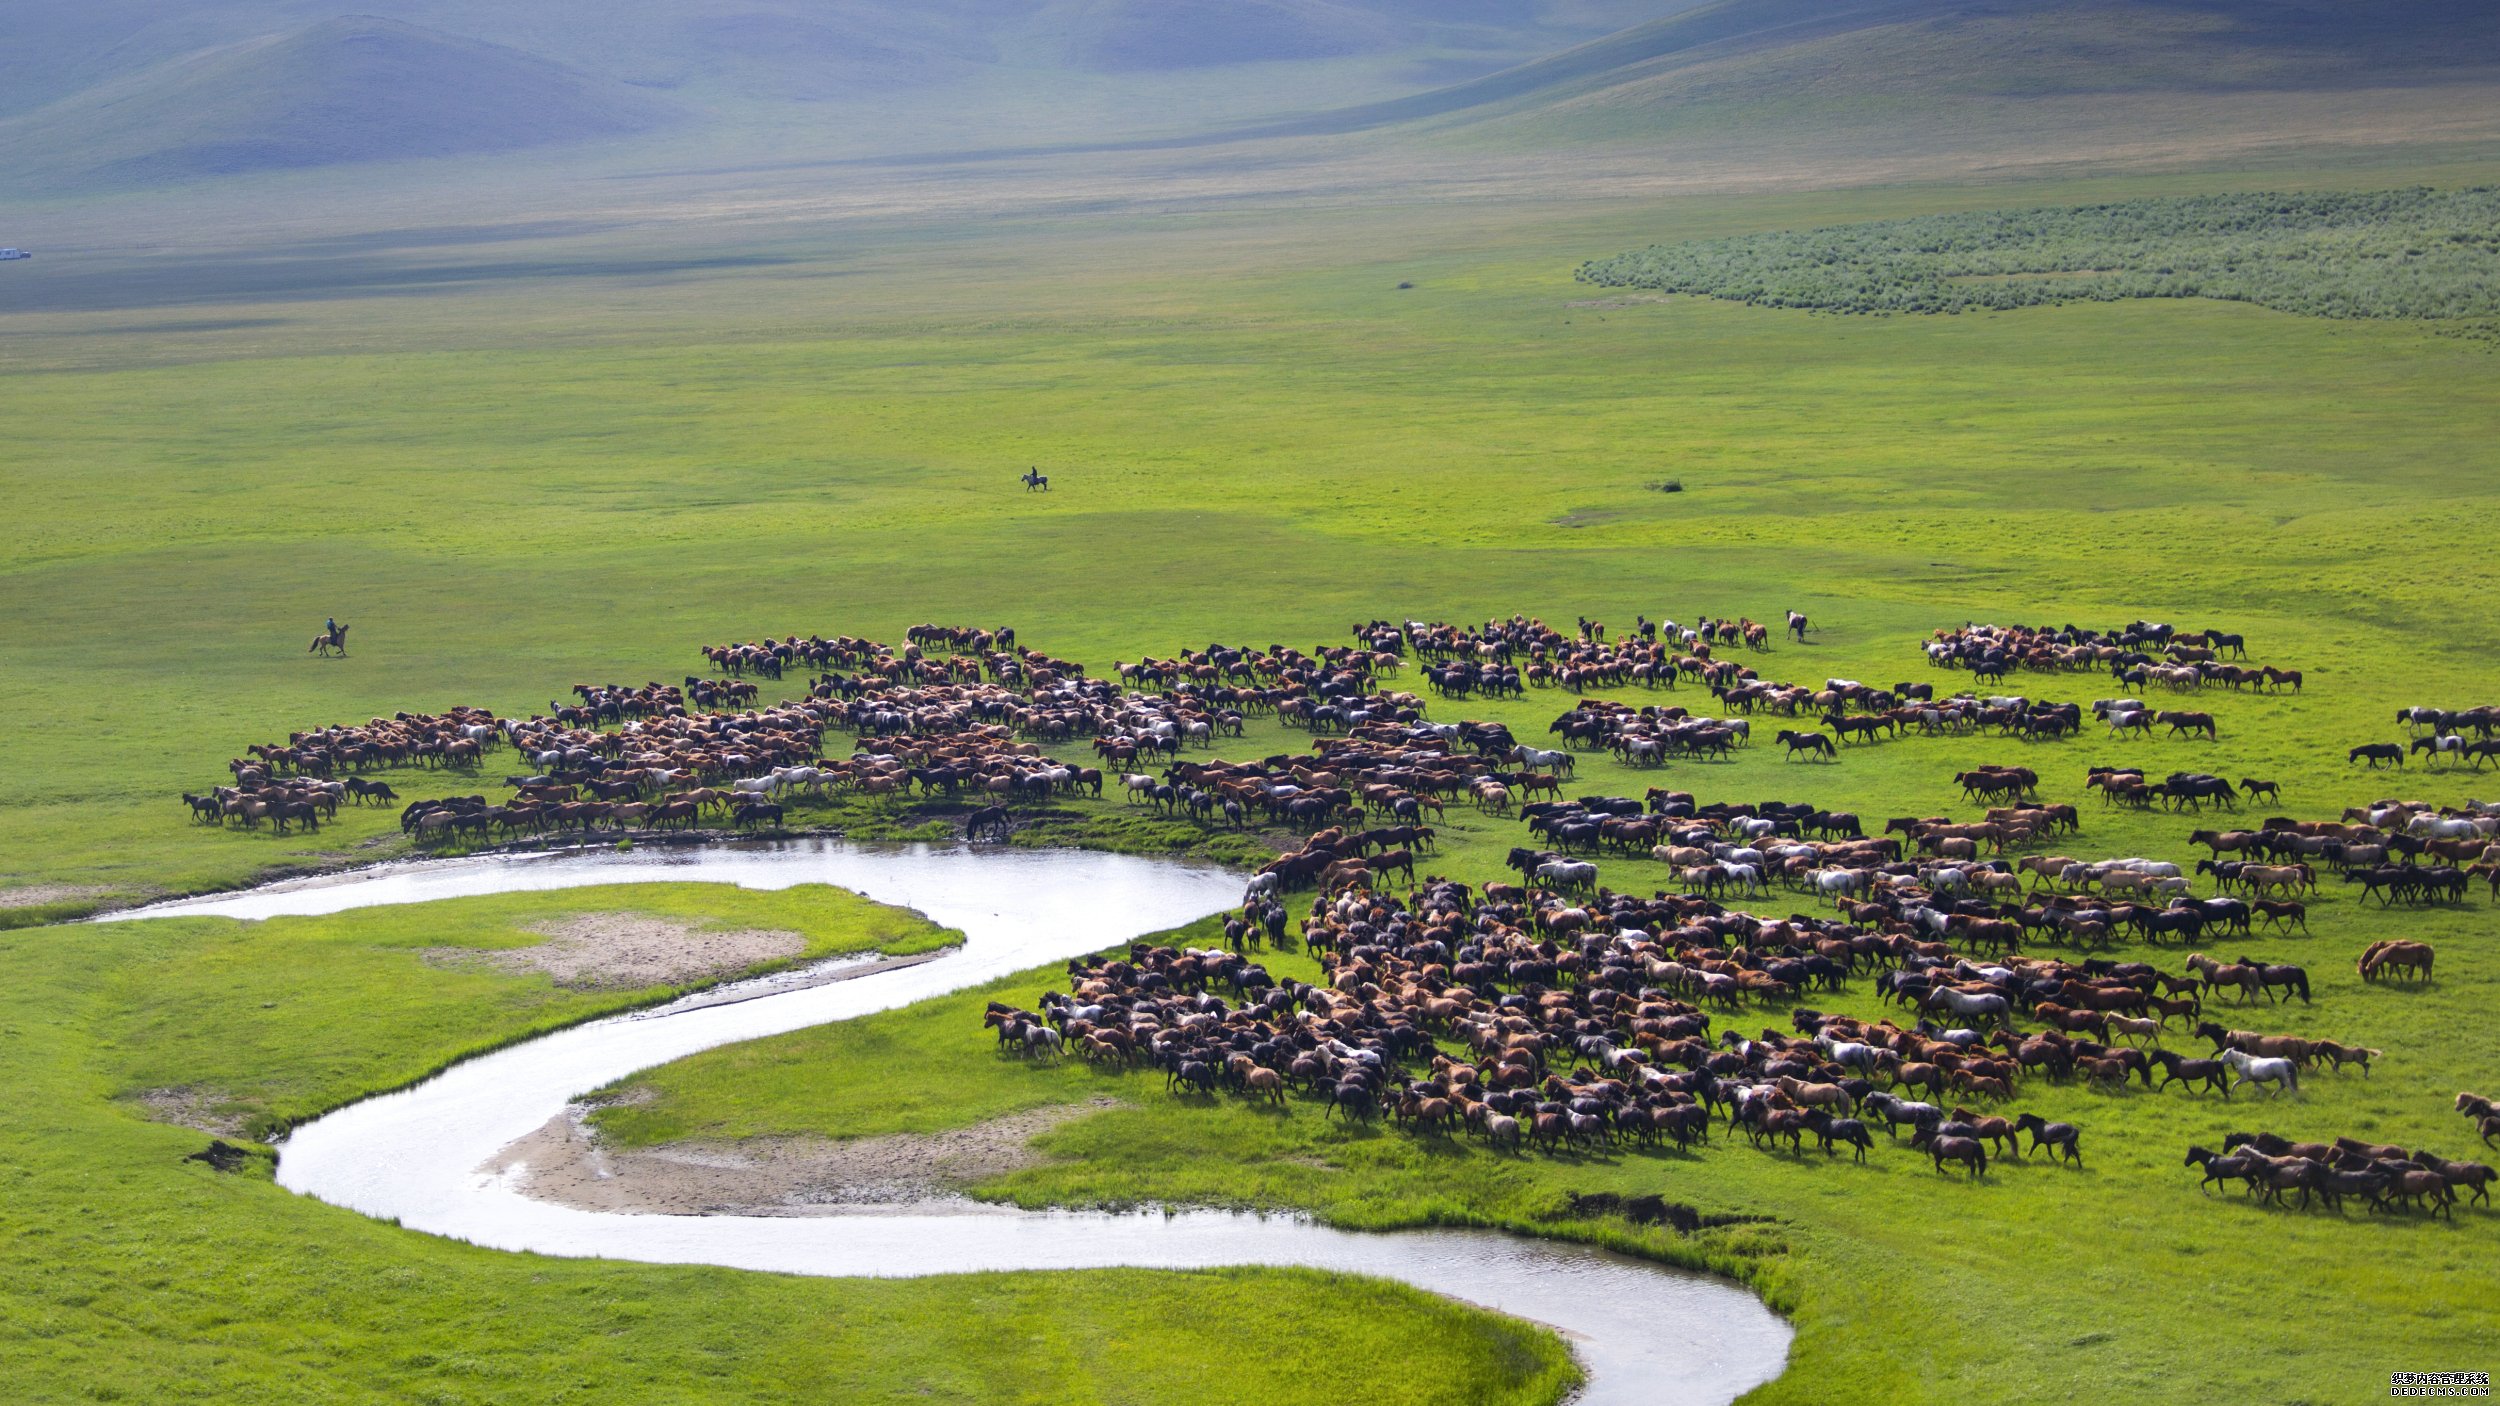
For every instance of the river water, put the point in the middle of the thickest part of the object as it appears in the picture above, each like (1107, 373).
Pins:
(1645, 1334)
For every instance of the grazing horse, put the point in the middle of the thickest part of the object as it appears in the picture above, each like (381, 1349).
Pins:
(1035, 480)
(333, 639)
(2389, 956)
(1797, 625)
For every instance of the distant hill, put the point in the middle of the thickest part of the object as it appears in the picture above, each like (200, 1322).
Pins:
(1117, 35)
(344, 90)
(777, 55)
(1890, 58)
(132, 92)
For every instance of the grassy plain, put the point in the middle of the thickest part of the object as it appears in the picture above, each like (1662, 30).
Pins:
(129, 1273)
(221, 1007)
(1237, 456)
(568, 465)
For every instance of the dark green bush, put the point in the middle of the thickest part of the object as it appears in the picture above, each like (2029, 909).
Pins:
(2415, 253)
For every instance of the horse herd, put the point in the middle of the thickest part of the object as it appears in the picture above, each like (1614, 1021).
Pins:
(2396, 851)
(1450, 1016)
(1548, 1012)
(1586, 1021)
(2385, 1176)
(2141, 654)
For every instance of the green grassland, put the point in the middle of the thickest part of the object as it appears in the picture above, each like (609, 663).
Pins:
(1903, 1286)
(538, 479)
(1237, 457)
(224, 1006)
(131, 1273)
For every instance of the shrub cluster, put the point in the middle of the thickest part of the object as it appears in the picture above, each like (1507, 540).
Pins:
(2414, 253)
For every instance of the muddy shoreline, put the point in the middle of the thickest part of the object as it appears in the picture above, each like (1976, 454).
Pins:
(564, 1162)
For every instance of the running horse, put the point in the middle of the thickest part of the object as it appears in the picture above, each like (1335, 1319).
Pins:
(329, 640)
(1034, 478)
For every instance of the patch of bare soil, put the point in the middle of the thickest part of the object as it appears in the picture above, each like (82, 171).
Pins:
(188, 1107)
(37, 895)
(624, 951)
(563, 1162)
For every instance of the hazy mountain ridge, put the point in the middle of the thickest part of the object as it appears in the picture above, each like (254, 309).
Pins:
(352, 89)
(134, 94)
(1764, 54)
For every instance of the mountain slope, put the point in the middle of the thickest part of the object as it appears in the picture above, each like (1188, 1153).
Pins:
(344, 90)
(1125, 35)
(1791, 56)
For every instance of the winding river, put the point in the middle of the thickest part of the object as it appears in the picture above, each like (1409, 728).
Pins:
(1644, 1333)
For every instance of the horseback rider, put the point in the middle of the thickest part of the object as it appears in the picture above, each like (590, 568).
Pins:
(330, 626)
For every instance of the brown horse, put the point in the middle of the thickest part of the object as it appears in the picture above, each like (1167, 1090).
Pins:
(1986, 1128)
(2396, 956)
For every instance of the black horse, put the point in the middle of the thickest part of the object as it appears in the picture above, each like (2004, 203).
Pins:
(1810, 743)
(1034, 479)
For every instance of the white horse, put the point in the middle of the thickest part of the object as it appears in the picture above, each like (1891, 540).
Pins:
(786, 777)
(1837, 884)
(1567, 873)
(1534, 759)
(1852, 1054)
(2433, 827)
(1972, 1005)
(2251, 1069)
